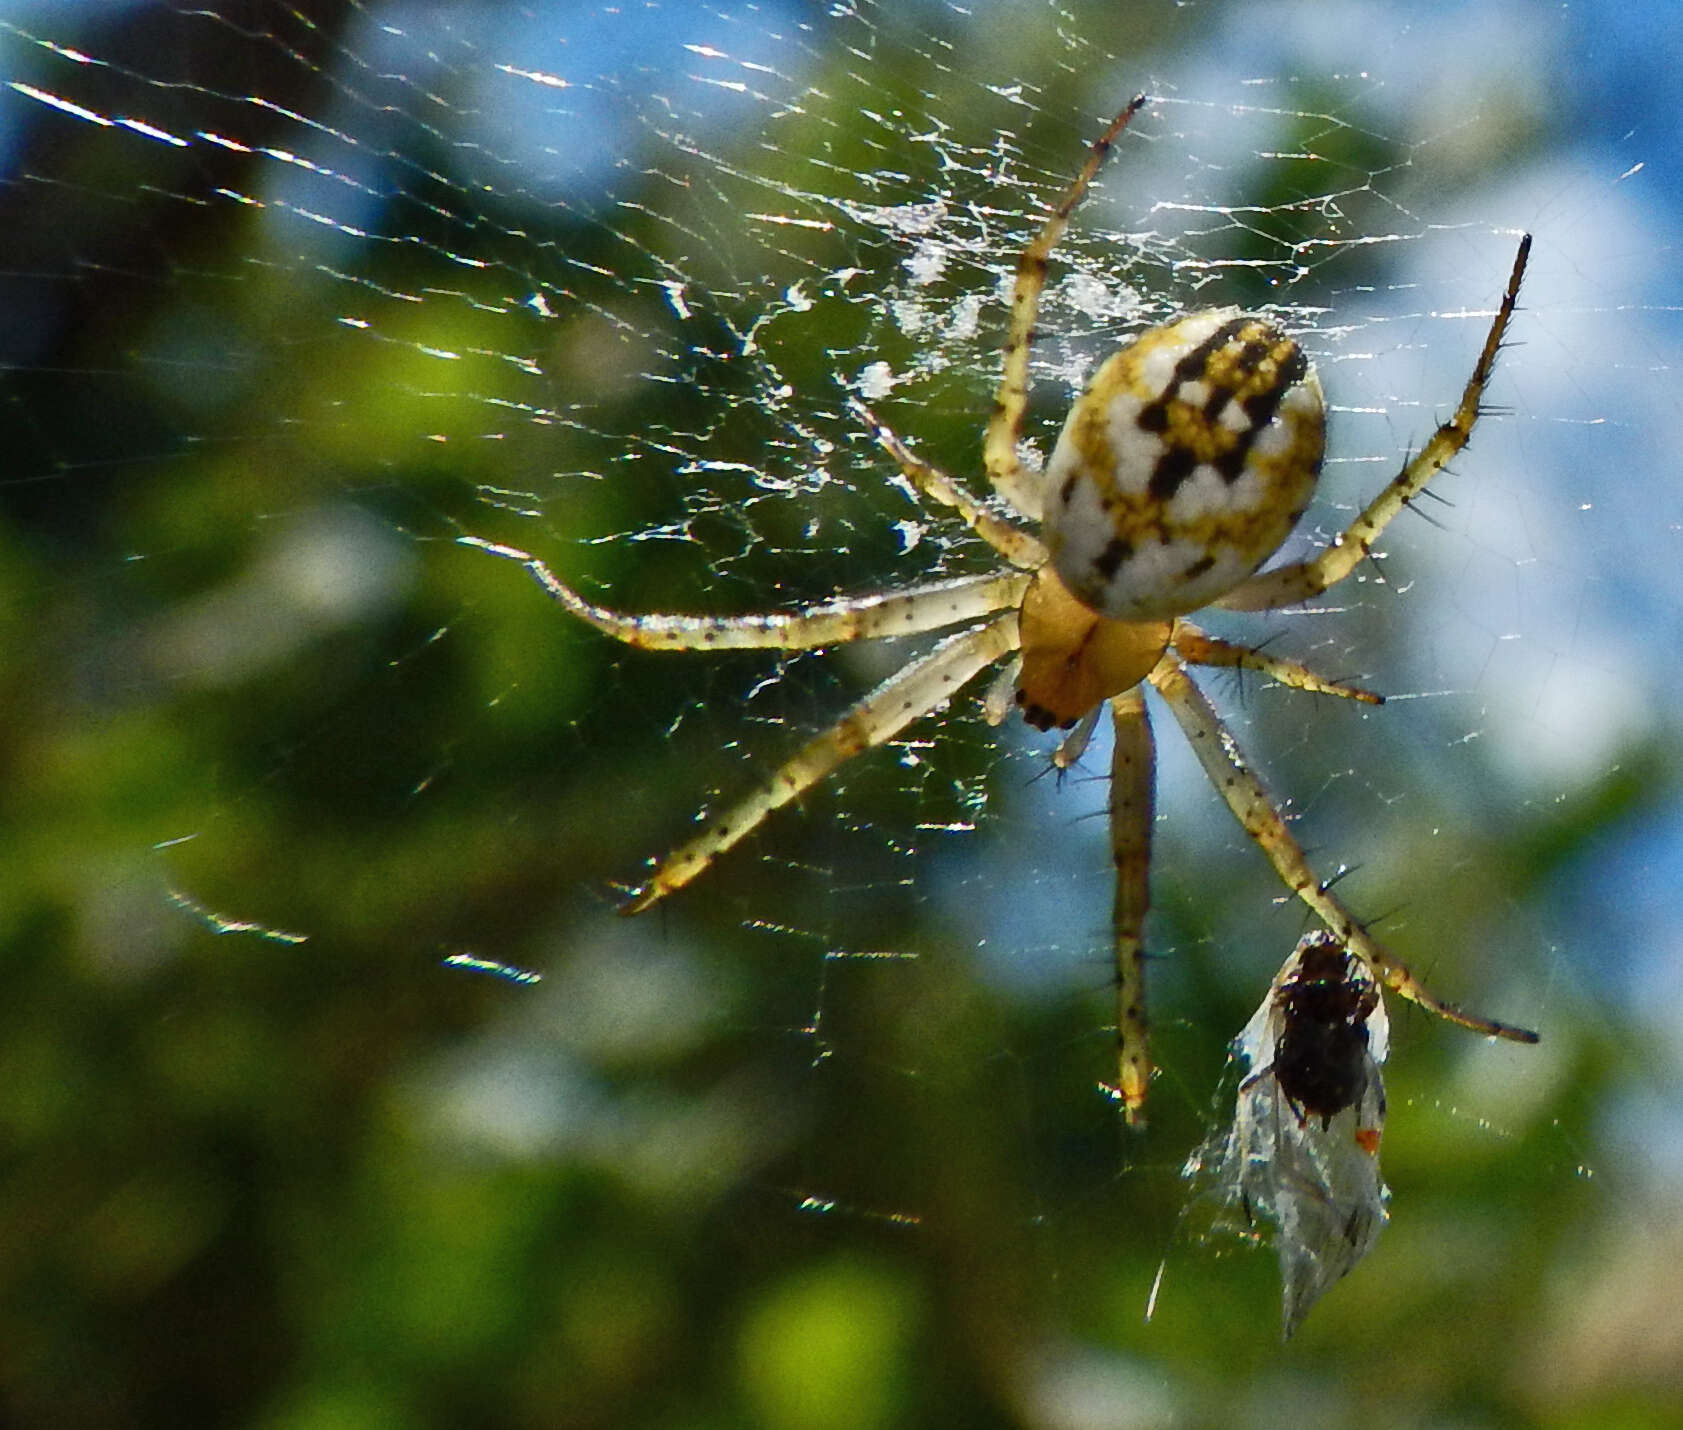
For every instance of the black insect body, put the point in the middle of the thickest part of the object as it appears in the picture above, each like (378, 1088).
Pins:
(1302, 1155)
(1321, 1058)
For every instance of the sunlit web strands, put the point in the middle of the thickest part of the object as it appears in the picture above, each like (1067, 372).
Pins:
(223, 924)
(472, 963)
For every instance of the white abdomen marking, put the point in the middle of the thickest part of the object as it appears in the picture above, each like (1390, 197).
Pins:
(1184, 465)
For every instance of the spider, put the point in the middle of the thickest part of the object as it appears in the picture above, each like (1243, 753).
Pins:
(1183, 466)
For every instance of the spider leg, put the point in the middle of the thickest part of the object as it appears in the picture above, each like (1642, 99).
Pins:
(999, 449)
(910, 611)
(1258, 816)
(1001, 698)
(1074, 745)
(1200, 648)
(924, 685)
(1015, 545)
(1132, 774)
(1301, 580)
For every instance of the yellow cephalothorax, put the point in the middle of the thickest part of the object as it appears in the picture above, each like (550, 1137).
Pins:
(1183, 466)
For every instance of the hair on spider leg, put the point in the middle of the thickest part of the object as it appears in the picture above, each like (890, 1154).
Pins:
(1078, 778)
(1237, 677)
(1363, 925)
(1048, 767)
(1234, 677)
(1240, 690)
(1343, 872)
(1412, 505)
(1367, 925)
(1433, 493)
(1384, 917)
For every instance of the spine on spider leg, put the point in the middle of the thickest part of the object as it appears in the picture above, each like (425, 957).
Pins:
(1132, 777)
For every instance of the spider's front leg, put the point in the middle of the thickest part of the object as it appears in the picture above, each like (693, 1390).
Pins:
(1016, 545)
(1303, 580)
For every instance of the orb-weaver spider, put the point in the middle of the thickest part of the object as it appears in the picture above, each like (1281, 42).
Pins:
(1182, 467)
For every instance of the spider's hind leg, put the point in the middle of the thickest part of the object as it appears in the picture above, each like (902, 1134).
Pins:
(1261, 819)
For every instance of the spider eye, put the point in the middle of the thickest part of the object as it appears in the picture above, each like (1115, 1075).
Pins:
(1184, 465)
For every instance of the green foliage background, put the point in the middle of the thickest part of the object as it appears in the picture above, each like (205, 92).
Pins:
(704, 1174)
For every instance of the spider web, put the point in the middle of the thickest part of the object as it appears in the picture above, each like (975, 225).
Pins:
(295, 299)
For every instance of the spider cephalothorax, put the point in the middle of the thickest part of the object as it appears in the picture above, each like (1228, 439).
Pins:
(1184, 464)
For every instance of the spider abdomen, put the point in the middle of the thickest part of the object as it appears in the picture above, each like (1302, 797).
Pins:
(1184, 465)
